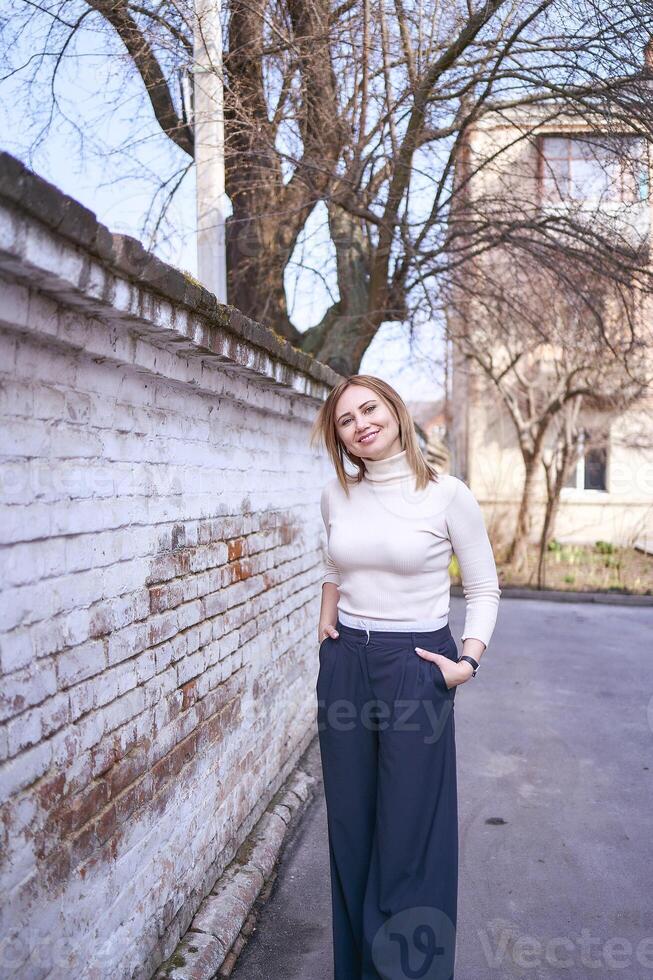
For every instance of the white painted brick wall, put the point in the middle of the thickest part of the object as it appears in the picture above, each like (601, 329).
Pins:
(160, 549)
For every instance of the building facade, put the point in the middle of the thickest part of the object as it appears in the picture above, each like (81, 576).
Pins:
(516, 338)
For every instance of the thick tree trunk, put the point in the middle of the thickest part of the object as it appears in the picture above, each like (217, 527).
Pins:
(350, 325)
(550, 514)
(556, 474)
(269, 208)
(339, 340)
(518, 553)
(255, 264)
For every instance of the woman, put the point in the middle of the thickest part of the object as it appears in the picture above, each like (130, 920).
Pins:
(388, 673)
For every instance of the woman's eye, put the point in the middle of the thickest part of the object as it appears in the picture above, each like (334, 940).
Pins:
(370, 408)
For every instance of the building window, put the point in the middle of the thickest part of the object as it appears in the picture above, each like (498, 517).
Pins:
(590, 471)
(592, 168)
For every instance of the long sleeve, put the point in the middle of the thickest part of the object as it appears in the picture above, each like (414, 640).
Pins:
(471, 545)
(330, 571)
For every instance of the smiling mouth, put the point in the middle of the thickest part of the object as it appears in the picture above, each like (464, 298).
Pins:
(368, 437)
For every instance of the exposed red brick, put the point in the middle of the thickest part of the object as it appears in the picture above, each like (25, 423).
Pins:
(82, 846)
(105, 755)
(166, 596)
(183, 753)
(287, 533)
(138, 795)
(222, 722)
(160, 800)
(182, 562)
(235, 548)
(105, 824)
(157, 598)
(189, 694)
(161, 772)
(127, 770)
(73, 814)
(240, 570)
(55, 870)
(60, 822)
(50, 790)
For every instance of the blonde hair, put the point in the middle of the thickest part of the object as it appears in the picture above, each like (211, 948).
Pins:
(324, 430)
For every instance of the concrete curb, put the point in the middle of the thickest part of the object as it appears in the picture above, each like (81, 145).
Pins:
(226, 917)
(557, 595)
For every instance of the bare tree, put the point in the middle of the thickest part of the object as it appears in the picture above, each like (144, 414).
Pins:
(554, 341)
(363, 107)
(558, 465)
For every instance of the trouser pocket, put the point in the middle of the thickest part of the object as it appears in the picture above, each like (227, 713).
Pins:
(449, 650)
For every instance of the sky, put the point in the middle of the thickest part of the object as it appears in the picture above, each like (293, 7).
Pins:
(105, 149)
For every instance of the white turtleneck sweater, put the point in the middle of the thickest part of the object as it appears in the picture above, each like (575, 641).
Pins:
(389, 548)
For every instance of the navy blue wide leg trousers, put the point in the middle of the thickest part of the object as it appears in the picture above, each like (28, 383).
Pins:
(387, 743)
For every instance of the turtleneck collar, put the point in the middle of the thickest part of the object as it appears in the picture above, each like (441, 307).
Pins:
(392, 469)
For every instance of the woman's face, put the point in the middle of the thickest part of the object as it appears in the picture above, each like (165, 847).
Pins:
(365, 424)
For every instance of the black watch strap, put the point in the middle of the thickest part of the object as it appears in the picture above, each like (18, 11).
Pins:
(475, 664)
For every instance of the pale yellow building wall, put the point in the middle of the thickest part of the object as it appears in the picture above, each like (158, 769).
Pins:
(622, 515)
(482, 437)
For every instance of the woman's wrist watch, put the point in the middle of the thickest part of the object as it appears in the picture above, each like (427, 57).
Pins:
(475, 664)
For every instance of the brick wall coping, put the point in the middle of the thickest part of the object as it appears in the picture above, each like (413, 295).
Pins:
(228, 331)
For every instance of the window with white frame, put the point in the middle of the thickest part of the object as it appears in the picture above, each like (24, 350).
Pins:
(590, 470)
(592, 168)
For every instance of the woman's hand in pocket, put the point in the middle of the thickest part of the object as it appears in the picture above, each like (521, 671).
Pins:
(454, 673)
(327, 630)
